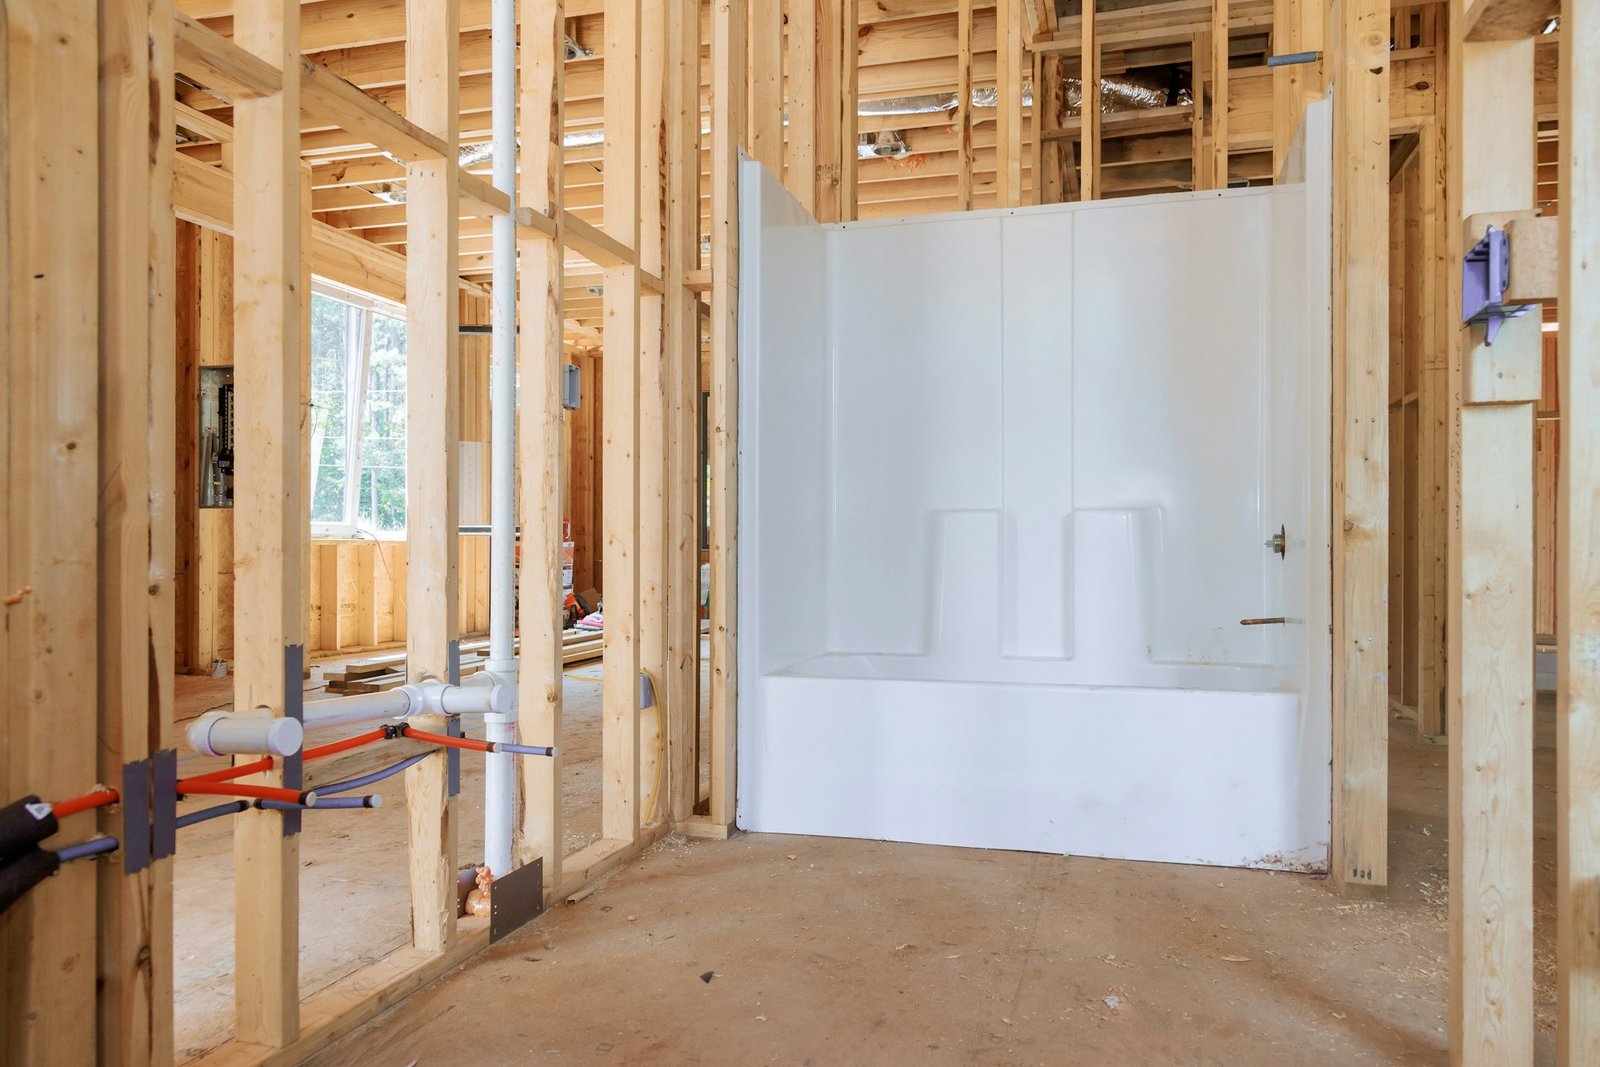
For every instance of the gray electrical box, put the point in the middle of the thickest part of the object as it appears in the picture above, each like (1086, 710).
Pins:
(571, 386)
(216, 437)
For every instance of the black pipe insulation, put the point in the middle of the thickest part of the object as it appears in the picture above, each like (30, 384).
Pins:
(21, 873)
(23, 824)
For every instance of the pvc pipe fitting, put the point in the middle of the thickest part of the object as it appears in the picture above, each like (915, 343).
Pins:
(251, 733)
(433, 697)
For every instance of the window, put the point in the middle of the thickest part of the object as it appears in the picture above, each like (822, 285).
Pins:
(358, 414)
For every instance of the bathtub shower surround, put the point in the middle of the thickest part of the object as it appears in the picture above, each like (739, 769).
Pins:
(1010, 482)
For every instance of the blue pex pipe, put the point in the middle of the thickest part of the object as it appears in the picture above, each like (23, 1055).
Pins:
(369, 779)
(86, 849)
(523, 750)
(323, 804)
(207, 814)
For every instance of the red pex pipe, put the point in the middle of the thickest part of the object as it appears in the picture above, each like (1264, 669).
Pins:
(467, 743)
(97, 799)
(191, 787)
(228, 774)
(334, 747)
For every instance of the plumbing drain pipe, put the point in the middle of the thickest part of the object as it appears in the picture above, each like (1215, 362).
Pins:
(226, 733)
(500, 725)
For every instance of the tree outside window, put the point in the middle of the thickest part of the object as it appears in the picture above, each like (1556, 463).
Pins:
(358, 408)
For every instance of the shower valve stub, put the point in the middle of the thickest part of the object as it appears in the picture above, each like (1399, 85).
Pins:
(1279, 542)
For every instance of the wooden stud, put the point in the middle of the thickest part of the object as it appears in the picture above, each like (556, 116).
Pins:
(1395, 423)
(1053, 179)
(830, 108)
(800, 61)
(161, 484)
(134, 911)
(541, 460)
(1433, 405)
(266, 518)
(48, 421)
(727, 119)
(964, 104)
(1405, 464)
(682, 332)
(1490, 588)
(432, 432)
(1089, 154)
(1219, 93)
(651, 446)
(620, 501)
(1358, 41)
(849, 119)
(1288, 99)
(1008, 84)
(1199, 64)
(1577, 551)
(1036, 151)
(765, 116)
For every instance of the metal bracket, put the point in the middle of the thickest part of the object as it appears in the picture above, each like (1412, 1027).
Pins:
(515, 899)
(1485, 274)
(135, 816)
(453, 722)
(149, 801)
(164, 804)
(571, 387)
(294, 658)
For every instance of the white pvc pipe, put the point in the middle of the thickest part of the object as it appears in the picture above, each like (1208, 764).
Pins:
(360, 707)
(499, 789)
(223, 733)
(226, 733)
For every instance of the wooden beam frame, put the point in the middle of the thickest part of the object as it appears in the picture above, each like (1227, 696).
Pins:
(651, 443)
(1089, 79)
(620, 819)
(1489, 605)
(1219, 93)
(727, 119)
(1433, 410)
(541, 460)
(1358, 46)
(1008, 79)
(48, 419)
(682, 332)
(765, 66)
(225, 67)
(964, 104)
(432, 490)
(1578, 548)
(830, 108)
(137, 471)
(849, 108)
(800, 59)
(267, 354)
(1200, 66)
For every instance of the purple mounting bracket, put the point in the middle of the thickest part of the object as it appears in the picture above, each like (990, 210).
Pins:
(1485, 273)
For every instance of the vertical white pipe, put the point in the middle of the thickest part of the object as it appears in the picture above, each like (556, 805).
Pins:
(499, 785)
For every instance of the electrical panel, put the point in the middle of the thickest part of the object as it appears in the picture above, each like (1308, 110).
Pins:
(216, 437)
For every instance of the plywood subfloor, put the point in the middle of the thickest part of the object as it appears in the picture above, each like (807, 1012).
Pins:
(830, 951)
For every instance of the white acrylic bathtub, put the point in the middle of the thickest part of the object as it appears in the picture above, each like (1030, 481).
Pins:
(858, 746)
(1000, 524)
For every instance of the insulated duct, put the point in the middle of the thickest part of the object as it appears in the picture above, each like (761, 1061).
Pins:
(885, 144)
